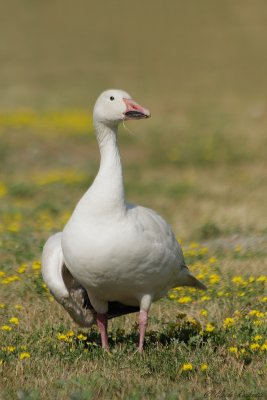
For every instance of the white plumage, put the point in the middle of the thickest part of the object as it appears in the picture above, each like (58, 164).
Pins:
(120, 255)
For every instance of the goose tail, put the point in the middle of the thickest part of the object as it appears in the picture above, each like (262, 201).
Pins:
(187, 279)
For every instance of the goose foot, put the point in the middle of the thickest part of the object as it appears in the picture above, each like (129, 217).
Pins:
(142, 329)
(102, 323)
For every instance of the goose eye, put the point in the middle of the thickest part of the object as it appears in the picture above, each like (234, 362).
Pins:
(111, 98)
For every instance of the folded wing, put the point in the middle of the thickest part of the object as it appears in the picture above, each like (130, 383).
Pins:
(67, 291)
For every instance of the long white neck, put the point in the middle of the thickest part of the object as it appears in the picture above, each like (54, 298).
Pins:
(110, 162)
(107, 192)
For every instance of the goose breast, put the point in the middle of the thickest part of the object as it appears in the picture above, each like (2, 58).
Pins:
(137, 253)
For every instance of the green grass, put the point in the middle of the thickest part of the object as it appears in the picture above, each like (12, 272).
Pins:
(64, 362)
(200, 161)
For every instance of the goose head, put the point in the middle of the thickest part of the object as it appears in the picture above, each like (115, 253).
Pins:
(114, 106)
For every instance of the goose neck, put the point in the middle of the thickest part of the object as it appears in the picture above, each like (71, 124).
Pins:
(110, 162)
(109, 180)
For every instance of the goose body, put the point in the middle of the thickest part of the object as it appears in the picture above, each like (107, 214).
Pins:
(113, 252)
(124, 257)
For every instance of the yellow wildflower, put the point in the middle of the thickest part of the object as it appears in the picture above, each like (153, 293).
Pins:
(264, 347)
(210, 327)
(253, 312)
(2, 305)
(204, 312)
(22, 268)
(238, 248)
(228, 322)
(238, 280)
(10, 279)
(200, 276)
(2, 273)
(194, 245)
(185, 299)
(260, 314)
(14, 320)
(11, 349)
(178, 289)
(193, 321)
(204, 298)
(61, 336)
(81, 337)
(6, 328)
(263, 299)
(36, 265)
(261, 278)
(70, 333)
(214, 278)
(254, 346)
(18, 307)
(204, 367)
(187, 367)
(203, 250)
(257, 338)
(172, 296)
(212, 260)
(233, 350)
(24, 355)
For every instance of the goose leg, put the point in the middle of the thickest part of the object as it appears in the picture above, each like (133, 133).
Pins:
(142, 329)
(102, 323)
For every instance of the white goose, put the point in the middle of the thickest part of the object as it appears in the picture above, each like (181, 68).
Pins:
(113, 257)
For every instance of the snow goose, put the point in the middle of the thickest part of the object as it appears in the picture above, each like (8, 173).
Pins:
(113, 257)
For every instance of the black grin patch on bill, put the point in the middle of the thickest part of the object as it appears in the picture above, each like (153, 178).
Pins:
(135, 114)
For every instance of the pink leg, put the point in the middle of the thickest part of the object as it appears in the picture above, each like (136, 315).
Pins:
(142, 329)
(102, 323)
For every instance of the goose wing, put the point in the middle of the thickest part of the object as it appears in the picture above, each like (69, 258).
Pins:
(65, 289)
(68, 291)
(161, 240)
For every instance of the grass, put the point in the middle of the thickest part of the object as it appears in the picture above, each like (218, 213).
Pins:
(192, 336)
(200, 161)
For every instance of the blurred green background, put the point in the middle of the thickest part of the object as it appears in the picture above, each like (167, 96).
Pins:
(58, 54)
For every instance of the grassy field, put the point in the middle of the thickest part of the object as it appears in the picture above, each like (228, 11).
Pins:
(200, 161)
